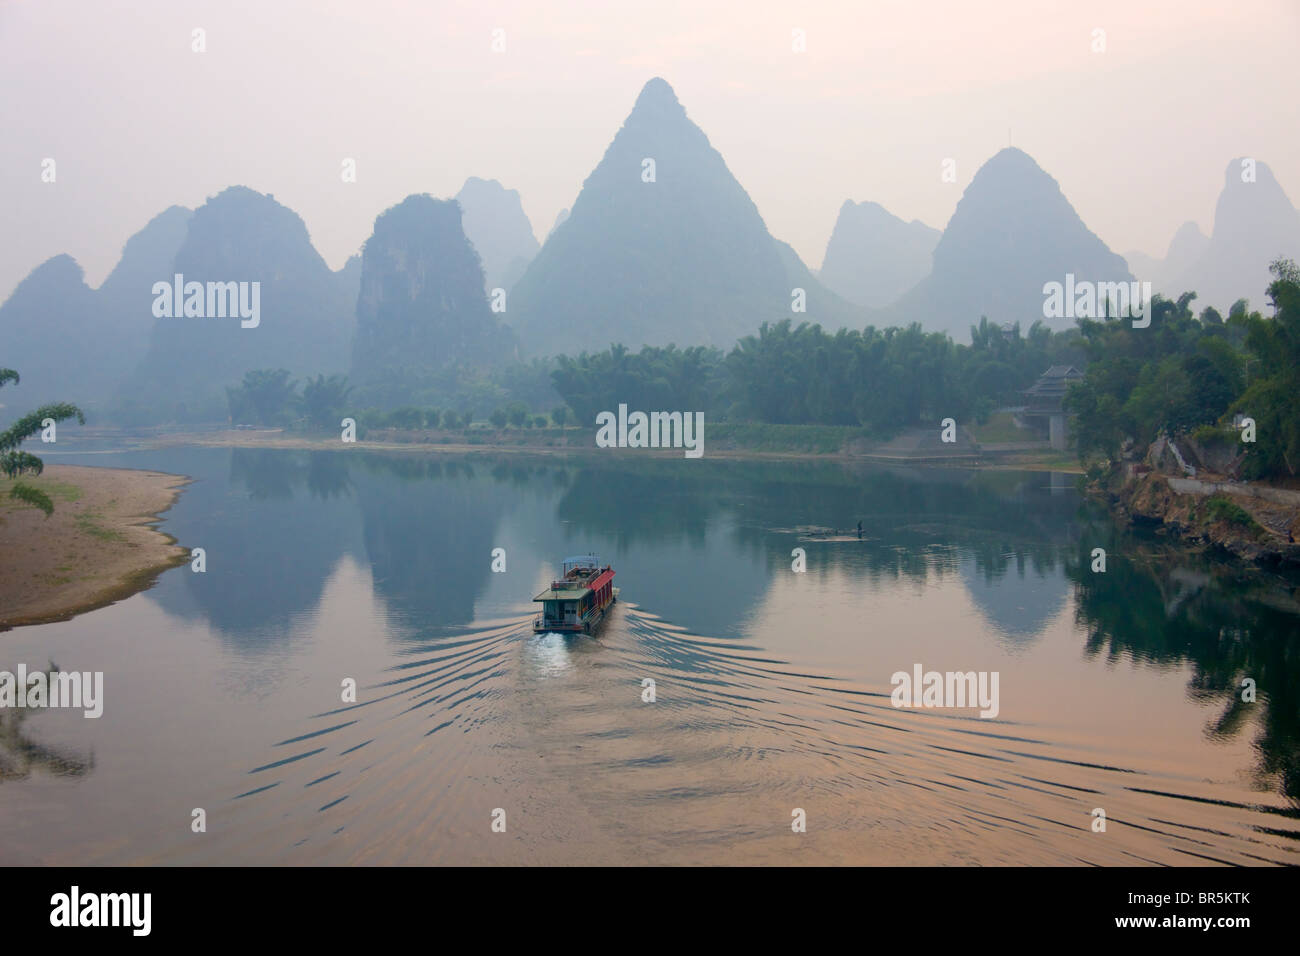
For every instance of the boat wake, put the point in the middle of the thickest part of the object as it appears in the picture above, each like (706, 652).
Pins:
(649, 744)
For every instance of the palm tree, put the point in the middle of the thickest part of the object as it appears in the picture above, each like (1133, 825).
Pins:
(14, 462)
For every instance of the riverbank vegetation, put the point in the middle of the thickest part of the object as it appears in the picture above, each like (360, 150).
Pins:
(870, 382)
(1196, 377)
(1185, 374)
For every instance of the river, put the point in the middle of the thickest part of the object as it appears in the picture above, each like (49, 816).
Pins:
(771, 737)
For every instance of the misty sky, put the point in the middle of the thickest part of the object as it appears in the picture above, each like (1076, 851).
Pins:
(1137, 136)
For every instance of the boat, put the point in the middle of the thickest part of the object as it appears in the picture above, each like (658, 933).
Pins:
(578, 601)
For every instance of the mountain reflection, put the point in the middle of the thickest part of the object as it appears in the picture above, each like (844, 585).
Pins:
(700, 545)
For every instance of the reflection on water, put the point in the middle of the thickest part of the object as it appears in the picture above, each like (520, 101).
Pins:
(549, 655)
(1119, 690)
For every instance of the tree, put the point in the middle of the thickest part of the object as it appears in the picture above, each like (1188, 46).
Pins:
(559, 415)
(407, 418)
(1270, 398)
(265, 397)
(498, 418)
(324, 400)
(517, 412)
(15, 462)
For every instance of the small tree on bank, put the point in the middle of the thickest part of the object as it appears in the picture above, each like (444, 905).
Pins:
(15, 462)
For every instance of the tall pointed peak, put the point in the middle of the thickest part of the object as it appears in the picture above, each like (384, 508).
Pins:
(670, 245)
(658, 97)
(1013, 162)
(1009, 154)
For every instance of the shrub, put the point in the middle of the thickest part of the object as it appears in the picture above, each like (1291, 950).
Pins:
(1213, 435)
(1219, 508)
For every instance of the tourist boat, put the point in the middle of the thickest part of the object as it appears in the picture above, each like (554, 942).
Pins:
(579, 600)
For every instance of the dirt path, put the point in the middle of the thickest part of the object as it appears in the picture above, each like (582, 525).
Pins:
(99, 546)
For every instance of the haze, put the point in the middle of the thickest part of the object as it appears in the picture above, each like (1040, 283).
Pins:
(1137, 136)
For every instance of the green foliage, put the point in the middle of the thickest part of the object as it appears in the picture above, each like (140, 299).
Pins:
(1208, 435)
(89, 523)
(265, 397)
(407, 418)
(498, 418)
(14, 462)
(324, 401)
(32, 496)
(803, 375)
(461, 386)
(757, 436)
(1176, 375)
(1219, 508)
(1274, 369)
(652, 378)
(1184, 375)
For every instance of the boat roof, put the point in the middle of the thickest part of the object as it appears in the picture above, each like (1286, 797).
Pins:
(562, 594)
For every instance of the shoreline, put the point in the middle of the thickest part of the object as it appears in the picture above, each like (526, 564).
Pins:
(100, 546)
(1016, 460)
(1240, 519)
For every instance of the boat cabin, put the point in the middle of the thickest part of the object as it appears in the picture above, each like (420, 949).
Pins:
(579, 598)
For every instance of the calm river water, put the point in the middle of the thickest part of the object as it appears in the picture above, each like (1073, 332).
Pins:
(1118, 691)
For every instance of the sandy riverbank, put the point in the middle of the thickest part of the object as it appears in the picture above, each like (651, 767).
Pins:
(100, 545)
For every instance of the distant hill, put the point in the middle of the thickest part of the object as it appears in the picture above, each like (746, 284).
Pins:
(71, 343)
(51, 329)
(685, 258)
(873, 257)
(1185, 251)
(1012, 232)
(306, 311)
(494, 220)
(1254, 223)
(421, 312)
